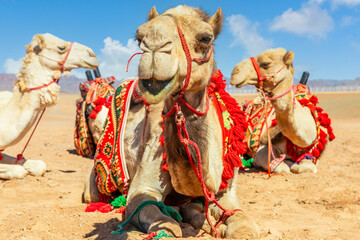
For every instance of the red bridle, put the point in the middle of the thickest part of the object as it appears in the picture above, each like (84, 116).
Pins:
(60, 62)
(260, 86)
(184, 136)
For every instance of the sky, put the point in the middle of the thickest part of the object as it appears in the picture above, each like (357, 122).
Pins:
(323, 34)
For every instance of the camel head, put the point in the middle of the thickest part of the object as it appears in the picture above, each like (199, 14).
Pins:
(47, 47)
(269, 62)
(163, 64)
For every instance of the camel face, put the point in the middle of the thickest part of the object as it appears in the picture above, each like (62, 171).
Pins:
(163, 65)
(269, 62)
(56, 49)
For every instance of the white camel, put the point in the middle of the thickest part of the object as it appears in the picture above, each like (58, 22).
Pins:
(47, 57)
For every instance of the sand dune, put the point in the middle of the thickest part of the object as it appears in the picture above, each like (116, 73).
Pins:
(321, 206)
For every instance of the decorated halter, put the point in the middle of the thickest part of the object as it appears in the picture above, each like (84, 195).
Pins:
(23, 88)
(179, 97)
(262, 78)
(60, 62)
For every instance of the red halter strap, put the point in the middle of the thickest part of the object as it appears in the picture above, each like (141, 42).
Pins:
(260, 86)
(184, 136)
(60, 62)
(260, 76)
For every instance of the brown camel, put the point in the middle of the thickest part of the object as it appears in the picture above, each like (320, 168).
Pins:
(163, 73)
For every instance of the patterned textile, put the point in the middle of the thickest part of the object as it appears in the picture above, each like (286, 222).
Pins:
(233, 124)
(110, 165)
(83, 141)
(256, 119)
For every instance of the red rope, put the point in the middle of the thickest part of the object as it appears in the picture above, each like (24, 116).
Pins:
(62, 64)
(20, 156)
(261, 78)
(181, 129)
(127, 67)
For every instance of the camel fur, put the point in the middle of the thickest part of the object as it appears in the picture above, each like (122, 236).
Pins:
(161, 72)
(22, 110)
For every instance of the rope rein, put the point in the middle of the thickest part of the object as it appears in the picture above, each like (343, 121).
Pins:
(62, 64)
(184, 136)
(261, 79)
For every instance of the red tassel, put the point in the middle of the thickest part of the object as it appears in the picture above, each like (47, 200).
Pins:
(98, 206)
(316, 152)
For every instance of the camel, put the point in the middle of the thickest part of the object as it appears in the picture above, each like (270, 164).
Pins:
(47, 57)
(165, 81)
(294, 122)
(91, 112)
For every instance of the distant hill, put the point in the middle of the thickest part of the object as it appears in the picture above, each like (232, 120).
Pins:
(70, 84)
(315, 85)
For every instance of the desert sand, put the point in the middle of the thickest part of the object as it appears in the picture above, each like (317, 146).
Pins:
(325, 205)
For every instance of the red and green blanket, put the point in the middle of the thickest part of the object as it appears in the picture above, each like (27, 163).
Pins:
(110, 164)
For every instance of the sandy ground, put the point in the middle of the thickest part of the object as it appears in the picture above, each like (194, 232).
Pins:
(325, 205)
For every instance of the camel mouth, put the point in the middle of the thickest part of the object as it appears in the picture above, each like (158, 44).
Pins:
(91, 64)
(154, 90)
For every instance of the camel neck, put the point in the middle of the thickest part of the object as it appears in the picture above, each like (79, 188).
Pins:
(22, 110)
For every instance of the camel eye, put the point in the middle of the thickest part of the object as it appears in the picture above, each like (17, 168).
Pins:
(62, 48)
(265, 65)
(206, 39)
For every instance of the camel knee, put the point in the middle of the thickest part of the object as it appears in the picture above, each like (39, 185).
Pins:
(91, 192)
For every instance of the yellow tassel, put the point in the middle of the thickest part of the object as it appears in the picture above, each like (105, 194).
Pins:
(20, 84)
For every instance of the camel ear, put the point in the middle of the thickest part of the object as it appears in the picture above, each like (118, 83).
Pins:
(288, 57)
(216, 22)
(153, 13)
(38, 43)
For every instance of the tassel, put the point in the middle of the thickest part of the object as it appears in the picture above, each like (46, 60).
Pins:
(98, 206)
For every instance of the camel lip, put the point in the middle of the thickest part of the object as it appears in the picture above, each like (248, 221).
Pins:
(154, 90)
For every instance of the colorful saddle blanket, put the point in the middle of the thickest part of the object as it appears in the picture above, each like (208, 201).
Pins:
(256, 118)
(83, 141)
(110, 165)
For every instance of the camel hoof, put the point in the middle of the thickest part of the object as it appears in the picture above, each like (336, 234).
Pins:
(282, 168)
(241, 226)
(35, 167)
(304, 166)
(166, 224)
(16, 171)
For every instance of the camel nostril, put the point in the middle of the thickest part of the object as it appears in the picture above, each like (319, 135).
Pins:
(91, 54)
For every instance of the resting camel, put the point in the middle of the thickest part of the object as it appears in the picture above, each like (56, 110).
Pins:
(170, 79)
(91, 113)
(295, 123)
(46, 59)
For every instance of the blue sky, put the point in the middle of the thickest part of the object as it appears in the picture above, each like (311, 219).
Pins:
(324, 34)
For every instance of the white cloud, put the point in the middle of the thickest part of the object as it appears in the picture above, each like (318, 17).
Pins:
(114, 57)
(310, 20)
(349, 3)
(246, 34)
(12, 66)
(348, 21)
